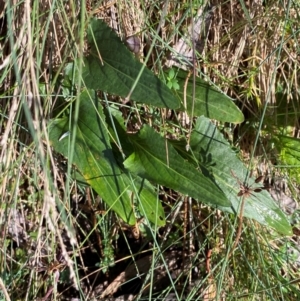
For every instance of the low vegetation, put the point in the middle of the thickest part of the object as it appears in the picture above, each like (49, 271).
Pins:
(149, 150)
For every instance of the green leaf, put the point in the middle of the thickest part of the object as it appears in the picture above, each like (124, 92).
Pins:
(214, 152)
(119, 70)
(93, 155)
(149, 205)
(171, 74)
(94, 158)
(289, 150)
(208, 101)
(156, 160)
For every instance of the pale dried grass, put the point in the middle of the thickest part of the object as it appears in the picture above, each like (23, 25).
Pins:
(32, 49)
(245, 43)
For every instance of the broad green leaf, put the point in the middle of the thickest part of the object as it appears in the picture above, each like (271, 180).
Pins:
(289, 150)
(94, 158)
(214, 152)
(117, 70)
(156, 159)
(208, 101)
(93, 155)
(149, 205)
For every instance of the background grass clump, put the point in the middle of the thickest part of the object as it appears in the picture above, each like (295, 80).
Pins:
(59, 238)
